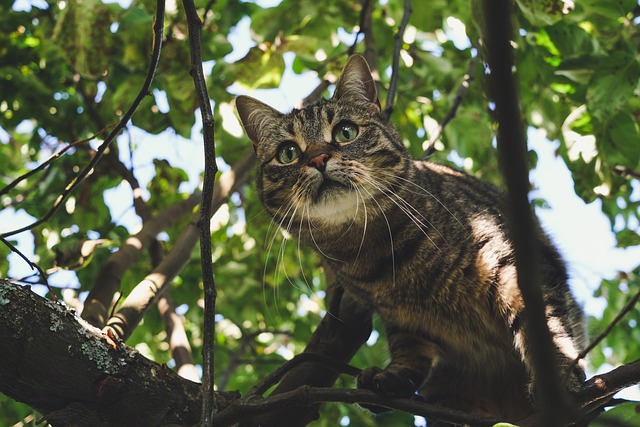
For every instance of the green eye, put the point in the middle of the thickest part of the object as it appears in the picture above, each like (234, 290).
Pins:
(344, 132)
(287, 153)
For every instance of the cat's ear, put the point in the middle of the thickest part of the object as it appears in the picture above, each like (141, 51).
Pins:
(255, 116)
(357, 82)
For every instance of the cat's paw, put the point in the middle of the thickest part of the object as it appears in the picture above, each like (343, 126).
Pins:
(386, 382)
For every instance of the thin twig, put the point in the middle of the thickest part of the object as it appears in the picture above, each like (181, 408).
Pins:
(363, 16)
(53, 157)
(395, 67)
(627, 308)
(158, 28)
(266, 383)
(626, 171)
(204, 224)
(369, 41)
(512, 150)
(308, 396)
(207, 9)
(31, 264)
(316, 93)
(457, 101)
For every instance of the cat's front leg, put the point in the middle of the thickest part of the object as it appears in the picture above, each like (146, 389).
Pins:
(411, 359)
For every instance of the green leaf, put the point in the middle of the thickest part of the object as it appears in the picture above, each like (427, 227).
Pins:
(625, 138)
(625, 414)
(579, 68)
(612, 83)
(612, 9)
(627, 238)
(542, 12)
(267, 62)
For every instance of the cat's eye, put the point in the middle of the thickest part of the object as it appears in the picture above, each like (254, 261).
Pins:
(287, 153)
(344, 132)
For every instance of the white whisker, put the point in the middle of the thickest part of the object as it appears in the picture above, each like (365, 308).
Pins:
(393, 255)
(423, 191)
(412, 213)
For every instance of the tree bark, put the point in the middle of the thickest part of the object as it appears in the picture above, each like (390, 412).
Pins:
(76, 376)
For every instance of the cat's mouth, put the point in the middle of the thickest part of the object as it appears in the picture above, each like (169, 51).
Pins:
(330, 189)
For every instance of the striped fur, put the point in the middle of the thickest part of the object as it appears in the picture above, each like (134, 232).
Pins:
(423, 245)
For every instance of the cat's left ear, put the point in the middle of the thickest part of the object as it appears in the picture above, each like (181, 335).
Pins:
(357, 82)
(256, 116)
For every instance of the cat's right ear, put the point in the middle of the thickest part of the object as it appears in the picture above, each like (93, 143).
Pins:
(357, 82)
(256, 116)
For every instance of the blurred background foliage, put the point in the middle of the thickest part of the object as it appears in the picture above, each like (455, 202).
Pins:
(69, 68)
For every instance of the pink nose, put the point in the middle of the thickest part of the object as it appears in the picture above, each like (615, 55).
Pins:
(319, 161)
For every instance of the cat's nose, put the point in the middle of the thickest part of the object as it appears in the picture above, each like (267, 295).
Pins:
(319, 161)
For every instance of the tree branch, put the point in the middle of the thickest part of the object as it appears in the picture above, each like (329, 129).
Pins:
(364, 27)
(146, 292)
(626, 171)
(365, 19)
(107, 283)
(369, 40)
(74, 375)
(395, 67)
(274, 378)
(307, 396)
(210, 169)
(177, 338)
(33, 266)
(512, 149)
(627, 308)
(50, 160)
(342, 331)
(457, 101)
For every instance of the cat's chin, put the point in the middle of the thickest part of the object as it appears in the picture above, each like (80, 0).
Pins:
(335, 203)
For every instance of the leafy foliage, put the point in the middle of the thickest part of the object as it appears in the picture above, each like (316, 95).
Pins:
(69, 69)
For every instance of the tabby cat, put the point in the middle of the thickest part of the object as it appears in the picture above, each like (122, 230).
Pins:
(424, 245)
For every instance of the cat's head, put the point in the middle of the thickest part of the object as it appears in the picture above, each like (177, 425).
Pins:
(330, 161)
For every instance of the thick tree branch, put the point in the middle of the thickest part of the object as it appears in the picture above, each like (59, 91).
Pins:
(75, 375)
(177, 338)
